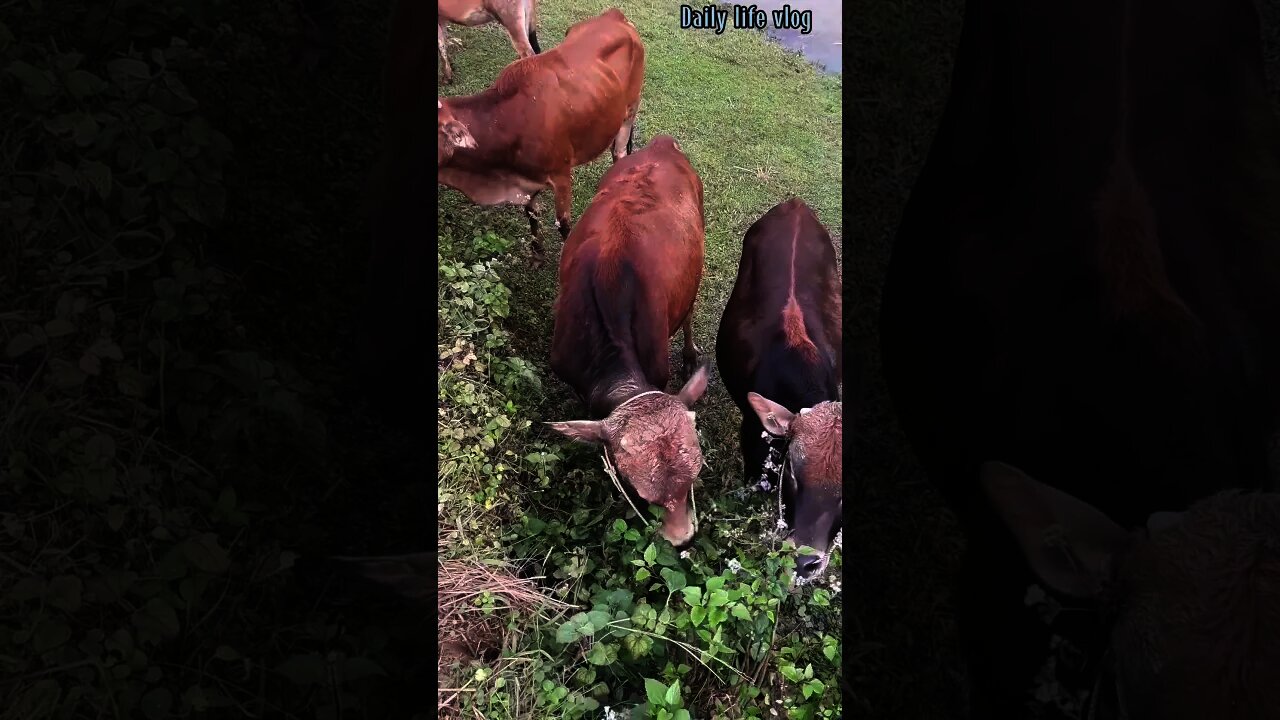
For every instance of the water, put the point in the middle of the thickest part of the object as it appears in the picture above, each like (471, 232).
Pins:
(820, 47)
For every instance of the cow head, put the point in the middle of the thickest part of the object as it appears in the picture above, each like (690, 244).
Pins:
(653, 442)
(1194, 596)
(813, 476)
(451, 133)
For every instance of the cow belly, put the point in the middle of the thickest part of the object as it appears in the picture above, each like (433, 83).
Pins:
(467, 13)
(491, 188)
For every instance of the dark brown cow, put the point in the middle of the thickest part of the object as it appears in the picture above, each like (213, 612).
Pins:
(544, 116)
(629, 274)
(1086, 285)
(779, 354)
(518, 17)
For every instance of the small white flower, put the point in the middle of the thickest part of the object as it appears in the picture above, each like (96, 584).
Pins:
(782, 525)
(684, 554)
(734, 565)
(764, 485)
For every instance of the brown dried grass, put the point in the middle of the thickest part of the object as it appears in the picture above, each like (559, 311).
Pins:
(467, 631)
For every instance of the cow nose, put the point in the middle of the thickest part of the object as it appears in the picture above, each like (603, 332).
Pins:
(807, 565)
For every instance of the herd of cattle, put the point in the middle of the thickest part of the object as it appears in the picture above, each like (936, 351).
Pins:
(1085, 288)
(630, 269)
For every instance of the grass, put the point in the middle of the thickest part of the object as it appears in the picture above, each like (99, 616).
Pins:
(759, 125)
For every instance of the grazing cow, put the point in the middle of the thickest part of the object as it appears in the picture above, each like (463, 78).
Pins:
(544, 116)
(629, 273)
(518, 17)
(1086, 287)
(779, 354)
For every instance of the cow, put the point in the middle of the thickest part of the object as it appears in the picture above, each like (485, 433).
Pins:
(518, 17)
(779, 354)
(544, 116)
(1085, 290)
(629, 274)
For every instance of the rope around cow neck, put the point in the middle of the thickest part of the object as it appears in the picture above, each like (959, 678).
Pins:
(612, 472)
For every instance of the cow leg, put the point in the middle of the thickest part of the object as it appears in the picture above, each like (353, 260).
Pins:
(563, 188)
(532, 211)
(517, 25)
(691, 351)
(622, 143)
(444, 54)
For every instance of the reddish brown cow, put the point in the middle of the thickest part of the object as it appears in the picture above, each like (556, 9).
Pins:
(629, 273)
(519, 17)
(779, 353)
(544, 116)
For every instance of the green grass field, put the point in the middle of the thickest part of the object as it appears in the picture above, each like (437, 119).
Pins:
(759, 125)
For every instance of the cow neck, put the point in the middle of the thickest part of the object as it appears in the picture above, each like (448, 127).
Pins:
(472, 111)
(611, 396)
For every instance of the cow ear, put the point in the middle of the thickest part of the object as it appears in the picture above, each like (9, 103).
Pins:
(589, 431)
(1069, 543)
(458, 135)
(775, 418)
(694, 388)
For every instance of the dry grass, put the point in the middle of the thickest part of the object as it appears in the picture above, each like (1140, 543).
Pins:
(469, 630)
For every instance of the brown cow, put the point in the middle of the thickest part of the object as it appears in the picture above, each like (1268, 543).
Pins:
(518, 17)
(544, 116)
(629, 273)
(1086, 285)
(779, 354)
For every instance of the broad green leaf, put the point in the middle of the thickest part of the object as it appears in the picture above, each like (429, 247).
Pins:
(599, 620)
(650, 553)
(741, 612)
(675, 579)
(673, 694)
(693, 595)
(697, 614)
(603, 654)
(715, 583)
(718, 598)
(655, 691)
